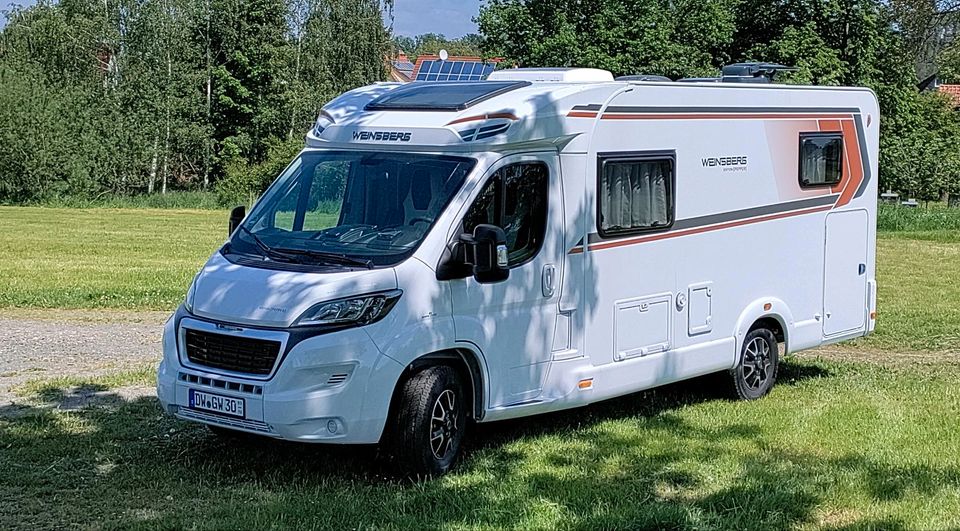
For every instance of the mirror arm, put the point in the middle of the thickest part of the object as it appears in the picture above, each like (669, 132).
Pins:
(453, 264)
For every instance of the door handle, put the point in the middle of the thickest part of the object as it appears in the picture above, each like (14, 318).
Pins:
(862, 269)
(548, 279)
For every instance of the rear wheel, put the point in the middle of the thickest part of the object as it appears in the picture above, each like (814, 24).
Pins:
(431, 422)
(756, 373)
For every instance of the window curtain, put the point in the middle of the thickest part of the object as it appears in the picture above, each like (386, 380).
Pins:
(635, 195)
(814, 163)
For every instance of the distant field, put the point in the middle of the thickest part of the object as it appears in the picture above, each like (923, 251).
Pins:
(144, 260)
(103, 258)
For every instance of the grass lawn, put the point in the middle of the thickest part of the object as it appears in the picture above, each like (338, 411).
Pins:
(866, 437)
(103, 258)
(836, 445)
(144, 260)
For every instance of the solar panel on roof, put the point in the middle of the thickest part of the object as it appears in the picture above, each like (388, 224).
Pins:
(442, 96)
(432, 70)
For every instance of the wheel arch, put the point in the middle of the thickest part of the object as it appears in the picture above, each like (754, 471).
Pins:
(768, 312)
(466, 363)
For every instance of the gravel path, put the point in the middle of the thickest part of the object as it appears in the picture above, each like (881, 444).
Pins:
(47, 344)
(52, 344)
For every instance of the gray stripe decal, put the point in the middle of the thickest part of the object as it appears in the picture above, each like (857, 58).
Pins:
(864, 160)
(736, 215)
(766, 210)
(591, 107)
(734, 110)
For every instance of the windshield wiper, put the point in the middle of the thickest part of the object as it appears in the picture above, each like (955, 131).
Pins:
(334, 257)
(268, 251)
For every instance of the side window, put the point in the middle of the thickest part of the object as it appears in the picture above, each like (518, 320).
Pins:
(287, 208)
(635, 193)
(514, 199)
(821, 158)
(327, 187)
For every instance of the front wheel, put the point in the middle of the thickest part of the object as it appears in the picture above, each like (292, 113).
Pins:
(756, 373)
(431, 422)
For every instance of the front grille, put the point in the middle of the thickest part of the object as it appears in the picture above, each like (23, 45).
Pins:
(217, 383)
(229, 422)
(232, 353)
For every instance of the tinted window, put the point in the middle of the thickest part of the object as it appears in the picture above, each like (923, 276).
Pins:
(636, 194)
(448, 96)
(821, 156)
(514, 199)
(372, 206)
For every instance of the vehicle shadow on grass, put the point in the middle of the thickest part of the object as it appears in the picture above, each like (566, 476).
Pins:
(633, 462)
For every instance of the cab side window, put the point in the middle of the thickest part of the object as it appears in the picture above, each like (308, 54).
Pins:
(514, 199)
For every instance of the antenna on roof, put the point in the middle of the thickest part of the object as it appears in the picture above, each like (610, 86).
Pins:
(752, 72)
(443, 55)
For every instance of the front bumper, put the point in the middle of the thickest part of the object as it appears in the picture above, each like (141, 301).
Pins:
(331, 388)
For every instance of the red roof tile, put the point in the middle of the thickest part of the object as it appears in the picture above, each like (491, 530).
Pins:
(953, 91)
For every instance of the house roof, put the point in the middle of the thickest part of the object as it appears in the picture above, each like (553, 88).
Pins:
(400, 67)
(952, 91)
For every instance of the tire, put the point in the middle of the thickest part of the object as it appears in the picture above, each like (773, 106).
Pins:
(430, 422)
(756, 373)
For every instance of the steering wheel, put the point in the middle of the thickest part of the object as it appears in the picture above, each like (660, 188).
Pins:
(420, 219)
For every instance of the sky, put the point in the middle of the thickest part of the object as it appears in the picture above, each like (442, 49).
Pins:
(452, 18)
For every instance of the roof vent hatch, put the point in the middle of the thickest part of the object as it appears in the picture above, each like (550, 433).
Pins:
(552, 75)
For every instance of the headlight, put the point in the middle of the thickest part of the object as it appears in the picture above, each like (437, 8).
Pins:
(353, 311)
(191, 291)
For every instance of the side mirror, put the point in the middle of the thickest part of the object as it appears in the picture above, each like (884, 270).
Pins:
(236, 218)
(486, 251)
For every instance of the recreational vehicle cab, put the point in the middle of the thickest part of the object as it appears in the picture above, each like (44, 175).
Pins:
(442, 252)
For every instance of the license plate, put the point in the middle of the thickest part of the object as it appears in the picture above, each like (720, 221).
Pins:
(225, 405)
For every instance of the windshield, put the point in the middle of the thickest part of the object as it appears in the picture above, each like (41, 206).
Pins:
(349, 209)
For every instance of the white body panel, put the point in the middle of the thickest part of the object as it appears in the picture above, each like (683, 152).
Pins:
(623, 313)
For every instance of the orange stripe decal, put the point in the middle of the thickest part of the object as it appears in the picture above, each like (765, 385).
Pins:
(834, 120)
(852, 153)
(830, 126)
(722, 116)
(490, 116)
(698, 230)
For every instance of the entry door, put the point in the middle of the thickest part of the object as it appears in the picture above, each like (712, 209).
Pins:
(512, 322)
(845, 278)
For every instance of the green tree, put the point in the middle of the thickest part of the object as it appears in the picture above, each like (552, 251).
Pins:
(127, 96)
(672, 38)
(432, 43)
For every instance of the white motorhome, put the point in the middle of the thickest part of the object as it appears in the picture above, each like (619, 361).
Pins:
(541, 240)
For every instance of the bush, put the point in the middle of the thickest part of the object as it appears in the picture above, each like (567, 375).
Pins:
(899, 218)
(171, 200)
(245, 182)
